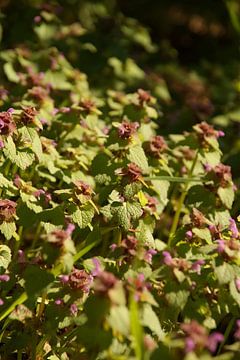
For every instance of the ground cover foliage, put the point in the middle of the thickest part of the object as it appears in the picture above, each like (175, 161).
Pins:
(119, 208)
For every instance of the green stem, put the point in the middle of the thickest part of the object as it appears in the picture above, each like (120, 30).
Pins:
(41, 307)
(36, 236)
(181, 202)
(226, 334)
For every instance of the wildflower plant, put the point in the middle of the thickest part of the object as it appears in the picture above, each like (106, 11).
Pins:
(117, 242)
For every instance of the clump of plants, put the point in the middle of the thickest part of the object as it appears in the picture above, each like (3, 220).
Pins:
(116, 242)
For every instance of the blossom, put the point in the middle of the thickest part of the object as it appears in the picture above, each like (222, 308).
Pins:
(143, 96)
(58, 301)
(189, 234)
(168, 260)
(7, 125)
(149, 254)
(97, 267)
(127, 129)
(213, 340)
(83, 188)
(80, 280)
(7, 210)
(196, 266)
(28, 115)
(197, 337)
(104, 282)
(221, 245)
(133, 171)
(1, 302)
(73, 309)
(156, 146)
(237, 284)
(233, 228)
(64, 278)
(237, 331)
(4, 277)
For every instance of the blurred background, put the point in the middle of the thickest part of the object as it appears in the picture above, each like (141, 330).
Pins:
(185, 52)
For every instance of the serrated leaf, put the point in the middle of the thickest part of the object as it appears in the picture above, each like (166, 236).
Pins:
(150, 319)
(82, 215)
(125, 212)
(177, 299)
(226, 196)
(234, 292)
(8, 229)
(30, 135)
(119, 319)
(225, 273)
(137, 156)
(203, 234)
(5, 256)
(22, 159)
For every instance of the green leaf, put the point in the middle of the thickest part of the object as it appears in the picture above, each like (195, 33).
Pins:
(22, 159)
(30, 135)
(4, 182)
(145, 230)
(226, 195)
(82, 215)
(119, 319)
(5, 256)
(234, 292)
(225, 273)
(10, 72)
(36, 280)
(137, 156)
(151, 320)
(177, 299)
(203, 234)
(8, 229)
(126, 212)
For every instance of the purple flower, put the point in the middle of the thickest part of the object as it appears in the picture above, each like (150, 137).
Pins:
(1, 302)
(70, 229)
(213, 340)
(37, 19)
(65, 109)
(196, 266)
(4, 277)
(127, 129)
(97, 267)
(64, 278)
(207, 167)
(221, 245)
(1, 144)
(7, 210)
(149, 254)
(237, 283)
(73, 309)
(237, 332)
(221, 133)
(80, 280)
(189, 344)
(189, 234)
(55, 111)
(21, 257)
(7, 125)
(168, 260)
(58, 301)
(113, 247)
(233, 228)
